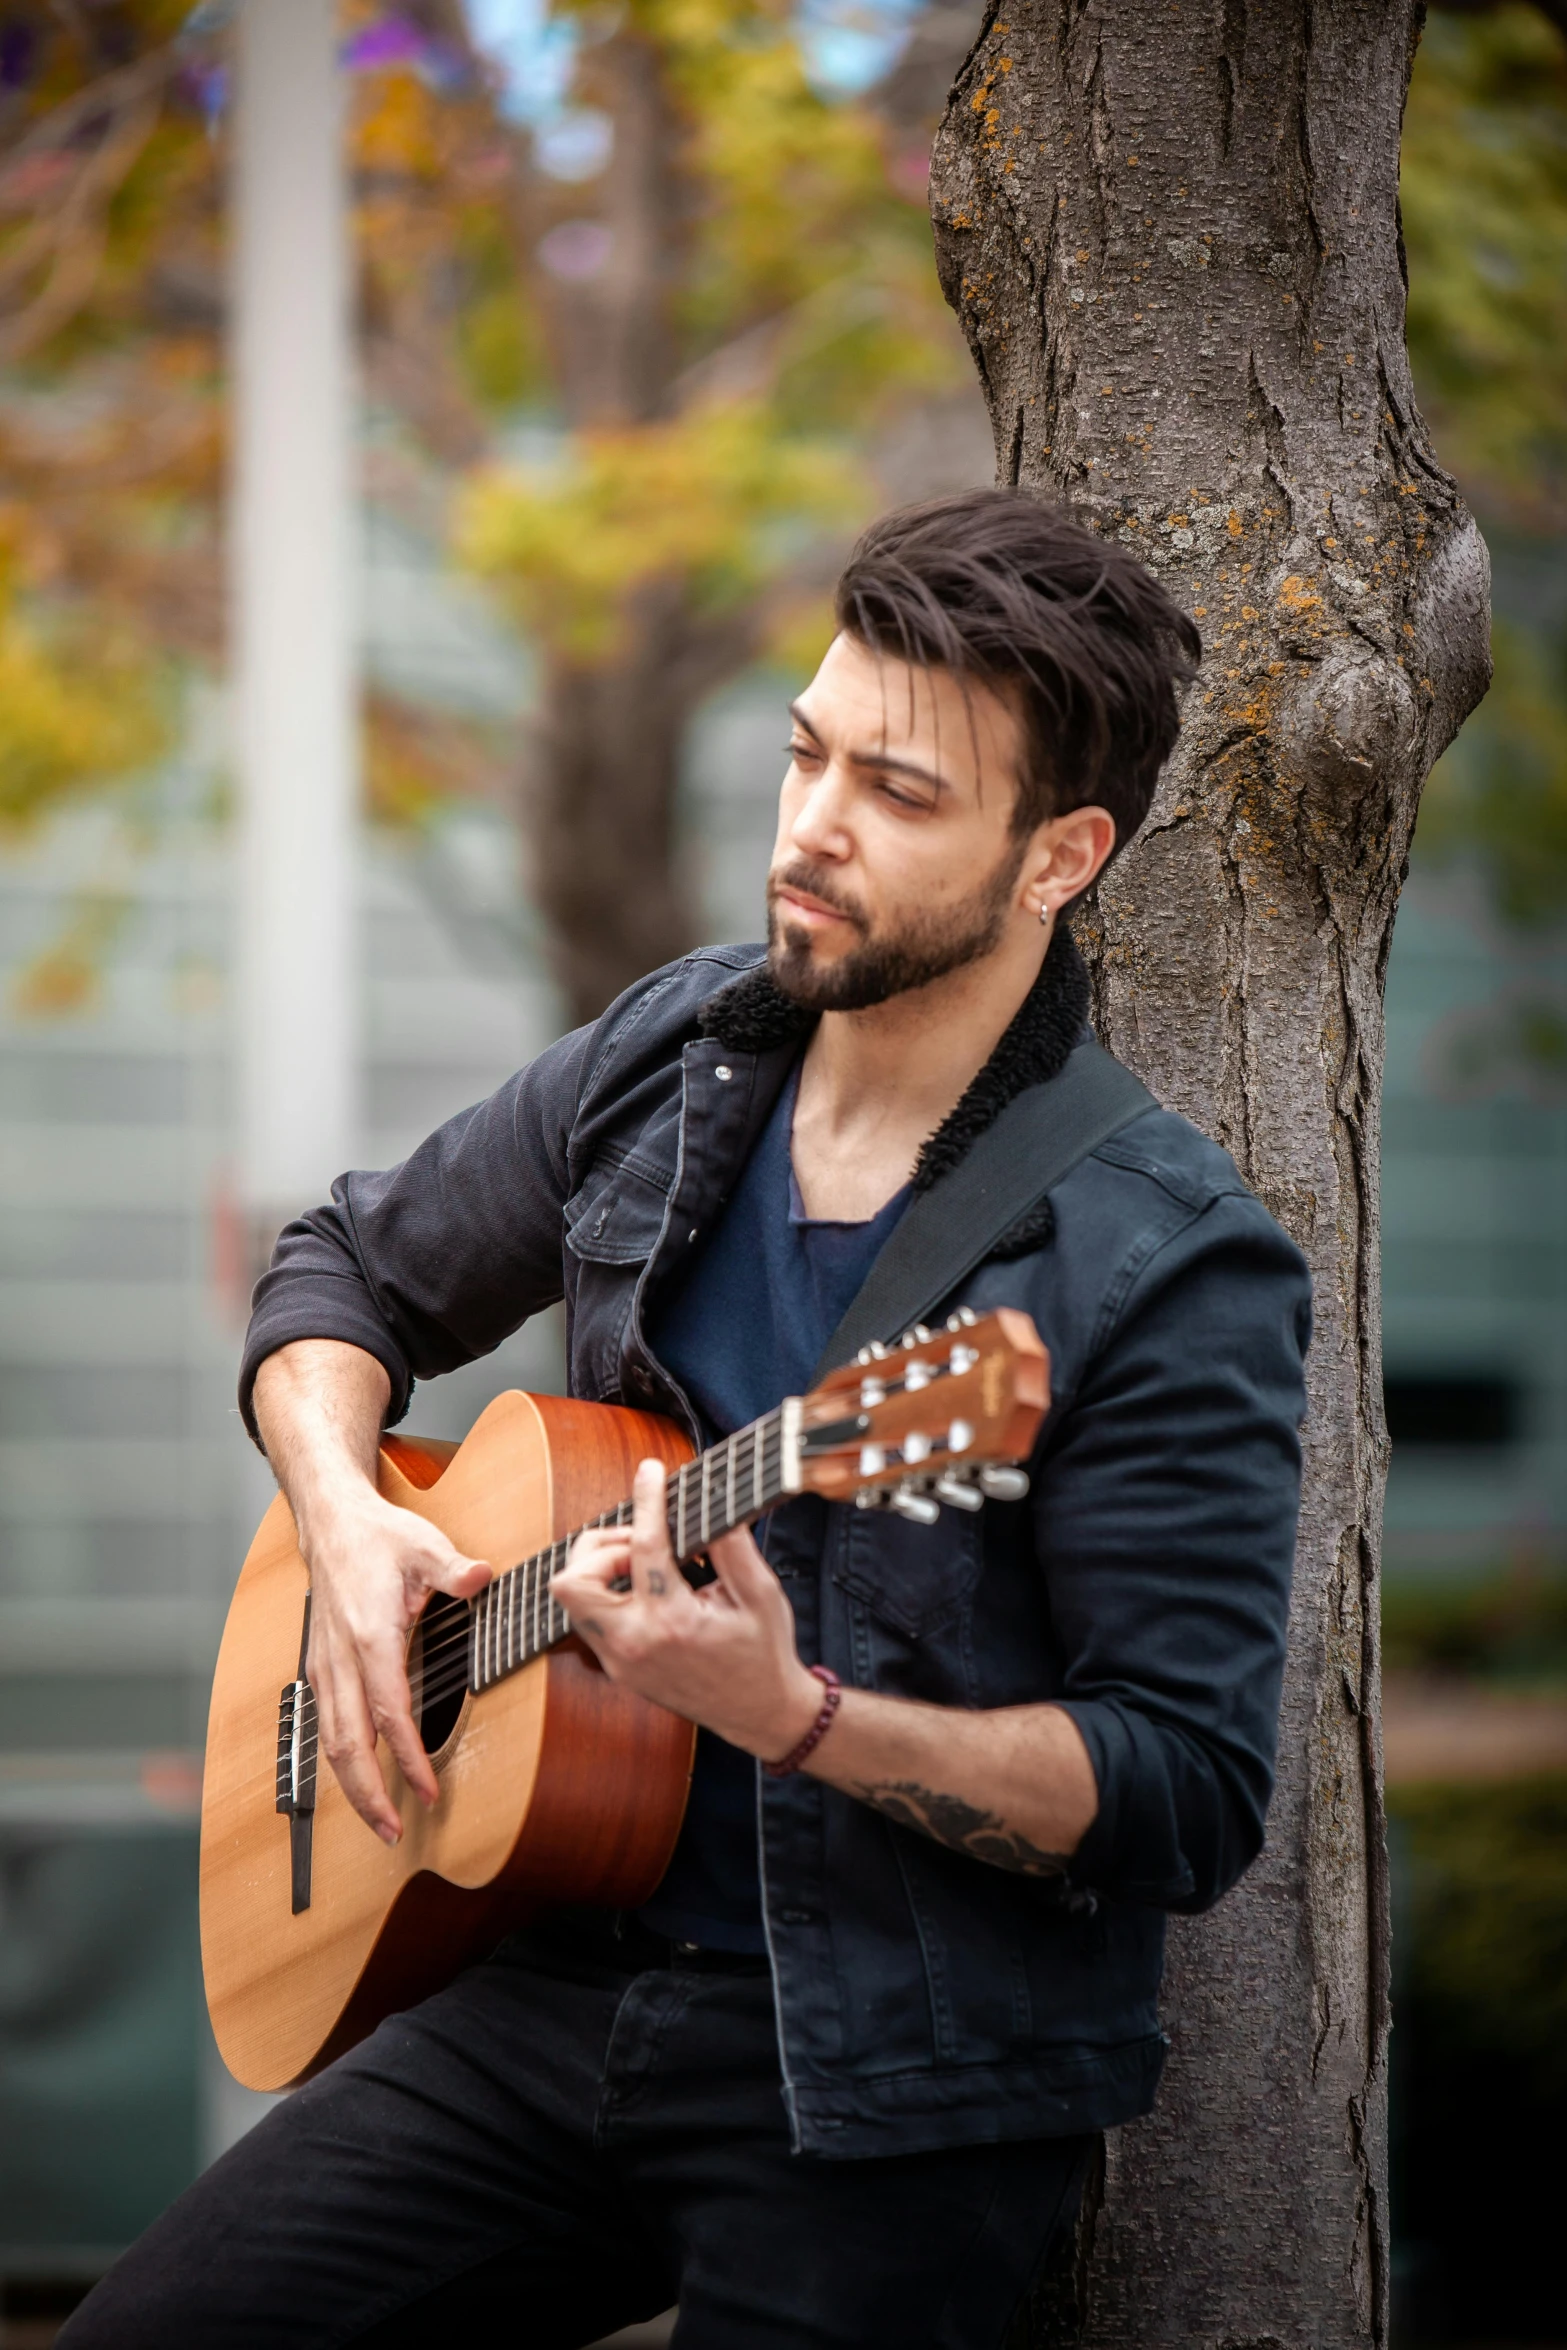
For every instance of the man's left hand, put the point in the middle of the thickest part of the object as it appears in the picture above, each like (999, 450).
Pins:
(724, 1656)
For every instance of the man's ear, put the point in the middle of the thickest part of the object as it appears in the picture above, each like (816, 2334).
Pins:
(1064, 856)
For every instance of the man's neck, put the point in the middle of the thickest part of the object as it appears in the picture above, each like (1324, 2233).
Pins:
(875, 1084)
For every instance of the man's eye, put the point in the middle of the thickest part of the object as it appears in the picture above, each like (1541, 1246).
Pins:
(904, 799)
(801, 752)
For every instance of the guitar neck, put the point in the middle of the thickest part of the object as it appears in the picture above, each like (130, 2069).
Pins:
(516, 1617)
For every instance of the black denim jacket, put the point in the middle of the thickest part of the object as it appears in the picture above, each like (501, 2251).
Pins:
(925, 1998)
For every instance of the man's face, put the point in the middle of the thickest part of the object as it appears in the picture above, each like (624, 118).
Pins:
(895, 861)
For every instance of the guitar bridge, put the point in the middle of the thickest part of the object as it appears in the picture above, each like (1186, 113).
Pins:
(296, 1780)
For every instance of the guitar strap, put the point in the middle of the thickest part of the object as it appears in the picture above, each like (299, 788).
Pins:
(1041, 1135)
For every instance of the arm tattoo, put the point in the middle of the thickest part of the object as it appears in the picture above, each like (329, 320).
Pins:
(963, 1827)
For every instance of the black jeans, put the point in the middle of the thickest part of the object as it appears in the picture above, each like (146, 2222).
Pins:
(575, 2135)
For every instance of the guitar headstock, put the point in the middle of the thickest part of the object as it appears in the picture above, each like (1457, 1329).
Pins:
(939, 1417)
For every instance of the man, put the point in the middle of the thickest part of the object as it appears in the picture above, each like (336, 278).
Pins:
(837, 2082)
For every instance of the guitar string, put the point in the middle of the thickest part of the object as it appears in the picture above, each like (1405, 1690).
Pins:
(541, 1565)
(503, 1648)
(766, 1451)
(435, 1689)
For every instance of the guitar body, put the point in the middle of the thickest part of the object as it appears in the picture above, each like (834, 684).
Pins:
(557, 1785)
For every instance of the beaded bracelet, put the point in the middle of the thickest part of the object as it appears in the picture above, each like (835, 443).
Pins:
(832, 1698)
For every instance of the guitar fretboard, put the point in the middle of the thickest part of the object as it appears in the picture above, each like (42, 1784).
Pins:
(516, 1617)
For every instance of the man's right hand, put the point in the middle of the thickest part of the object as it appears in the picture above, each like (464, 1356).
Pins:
(372, 1568)
(319, 1405)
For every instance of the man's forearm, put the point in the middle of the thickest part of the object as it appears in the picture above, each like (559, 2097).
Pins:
(319, 1405)
(1013, 1787)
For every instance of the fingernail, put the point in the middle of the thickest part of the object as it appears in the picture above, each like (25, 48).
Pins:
(389, 1835)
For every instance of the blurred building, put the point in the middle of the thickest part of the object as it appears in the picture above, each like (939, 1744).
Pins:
(127, 1488)
(1474, 1208)
(1474, 1244)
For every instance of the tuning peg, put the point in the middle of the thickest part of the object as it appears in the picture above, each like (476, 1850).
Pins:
(872, 1392)
(915, 1506)
(960, 1436)
(1002, 1484)
(960, 1494)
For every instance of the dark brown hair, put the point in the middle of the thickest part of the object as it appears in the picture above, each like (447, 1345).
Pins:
(1000, 588)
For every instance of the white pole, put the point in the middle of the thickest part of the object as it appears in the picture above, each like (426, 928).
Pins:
(293, 642)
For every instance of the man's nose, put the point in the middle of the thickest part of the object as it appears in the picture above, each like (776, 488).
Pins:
(820, 826)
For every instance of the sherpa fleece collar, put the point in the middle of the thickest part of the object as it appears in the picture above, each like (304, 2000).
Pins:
(753, 1015)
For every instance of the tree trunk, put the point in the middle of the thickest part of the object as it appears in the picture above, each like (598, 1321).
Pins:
(600, 812)
(602, 808)
(1172, 237)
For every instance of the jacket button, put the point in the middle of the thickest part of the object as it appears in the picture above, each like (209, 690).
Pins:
(723, 1073)
(797, 1917)
(691, 1235)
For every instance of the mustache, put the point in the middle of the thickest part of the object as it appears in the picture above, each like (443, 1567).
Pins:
(813, 883)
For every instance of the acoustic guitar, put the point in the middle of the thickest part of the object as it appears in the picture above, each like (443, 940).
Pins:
(556, 1784)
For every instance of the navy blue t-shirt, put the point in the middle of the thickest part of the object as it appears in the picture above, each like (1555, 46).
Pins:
(746, 1329)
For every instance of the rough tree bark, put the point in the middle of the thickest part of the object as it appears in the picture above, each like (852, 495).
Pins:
(1171, 234)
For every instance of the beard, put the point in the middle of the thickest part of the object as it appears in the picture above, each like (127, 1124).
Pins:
(905, 955)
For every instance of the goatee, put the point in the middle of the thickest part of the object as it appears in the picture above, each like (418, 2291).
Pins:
(925, 946)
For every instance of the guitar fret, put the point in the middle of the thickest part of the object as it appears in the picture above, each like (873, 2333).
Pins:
(517, 1616)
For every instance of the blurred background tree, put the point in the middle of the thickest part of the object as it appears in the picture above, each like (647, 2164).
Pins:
(732, 287)
(699, 281)
(694, 287)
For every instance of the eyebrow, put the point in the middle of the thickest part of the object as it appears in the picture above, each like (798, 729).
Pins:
(876, 758)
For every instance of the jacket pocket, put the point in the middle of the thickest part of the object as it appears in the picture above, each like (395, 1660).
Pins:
(914, 1578)
(612, 1224)
(614, 1218)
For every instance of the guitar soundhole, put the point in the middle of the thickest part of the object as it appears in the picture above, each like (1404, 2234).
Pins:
(437, 1669)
